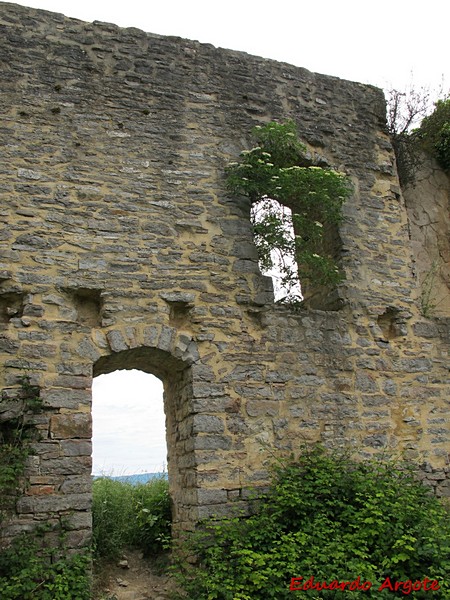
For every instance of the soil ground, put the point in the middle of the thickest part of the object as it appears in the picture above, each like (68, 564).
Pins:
(132, 578)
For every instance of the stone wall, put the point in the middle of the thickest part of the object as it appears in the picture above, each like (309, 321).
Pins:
(122, 249)
(428, 207)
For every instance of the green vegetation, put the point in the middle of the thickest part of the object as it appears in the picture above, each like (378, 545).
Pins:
(427, 296)
(15, 437)
(414, 131)
(29, 570)
(127, 515)
(325, 516)
(329, 517)
(434, 133)
(37, 565)
(276, 173)
(124, 516)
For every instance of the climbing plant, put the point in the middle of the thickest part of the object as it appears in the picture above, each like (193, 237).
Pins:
(29, 568)
(15, 437)
(276, 173)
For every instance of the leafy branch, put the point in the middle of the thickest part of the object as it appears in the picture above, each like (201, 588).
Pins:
(415, 127)
(15, 435)
(277, 175)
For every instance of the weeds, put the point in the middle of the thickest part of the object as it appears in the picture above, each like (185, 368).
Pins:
(127, 515)
(329, 518)
(427, 296)
(29, 570)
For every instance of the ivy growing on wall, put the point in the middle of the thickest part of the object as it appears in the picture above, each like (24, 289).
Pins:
(15, 437)
(276, 174)
(29, 568)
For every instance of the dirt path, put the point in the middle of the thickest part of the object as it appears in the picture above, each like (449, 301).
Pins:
(132, 578)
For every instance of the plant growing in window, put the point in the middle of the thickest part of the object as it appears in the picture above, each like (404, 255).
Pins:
(276, 175)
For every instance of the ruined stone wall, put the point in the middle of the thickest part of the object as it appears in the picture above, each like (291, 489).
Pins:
(428, 207)
(121, 249)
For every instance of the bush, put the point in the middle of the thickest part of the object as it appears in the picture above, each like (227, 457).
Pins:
(331, 518)
(29, 571)
(277, 173)
(130, 515)
(434, 133)
(442, 147)
(405, 111)
(151, 503)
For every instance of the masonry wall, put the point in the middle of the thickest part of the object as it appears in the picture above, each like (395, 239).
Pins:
(428, 207)
(122, 249)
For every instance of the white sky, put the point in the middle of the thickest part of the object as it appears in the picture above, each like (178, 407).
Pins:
(380, 42)
(388, 43)
(129, 424)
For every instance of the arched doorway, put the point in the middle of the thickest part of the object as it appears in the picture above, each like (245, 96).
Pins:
(176, 377)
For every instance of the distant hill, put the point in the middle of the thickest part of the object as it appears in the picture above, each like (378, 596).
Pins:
(136, 478)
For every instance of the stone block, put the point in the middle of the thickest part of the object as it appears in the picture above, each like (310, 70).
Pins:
(220, 511)
(76, 484)
(211, 496)
(116, 341)
(69, 426)
(87, 349)
(257, 408)
(67, 465)
(65, 398)
(166, 338)
(40, 490)
(207, 424)
(212, 442)
(76, 447)
(53, 504)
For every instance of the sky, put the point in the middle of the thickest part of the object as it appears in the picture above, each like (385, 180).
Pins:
(392, 44)
(128, 424)
(380, 42)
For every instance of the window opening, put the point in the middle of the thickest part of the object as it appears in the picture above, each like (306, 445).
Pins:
(129, 436)
(297, 207)
(279, 263)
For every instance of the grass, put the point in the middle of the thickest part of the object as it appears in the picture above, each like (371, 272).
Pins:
(127, 515)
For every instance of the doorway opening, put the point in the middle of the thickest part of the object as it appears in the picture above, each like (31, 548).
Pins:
(179, 414)
(129, 432)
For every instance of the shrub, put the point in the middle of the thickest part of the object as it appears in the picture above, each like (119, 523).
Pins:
(331, 518)
(277, 173)
(29, 571)
(151, 504)
(434, 133)
(130, 515)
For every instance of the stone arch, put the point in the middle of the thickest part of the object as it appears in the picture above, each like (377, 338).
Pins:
(59, 474)
(169, 359)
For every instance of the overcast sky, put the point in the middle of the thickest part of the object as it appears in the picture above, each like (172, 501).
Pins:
(380, 42)
(128, 423)
(388, 43)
